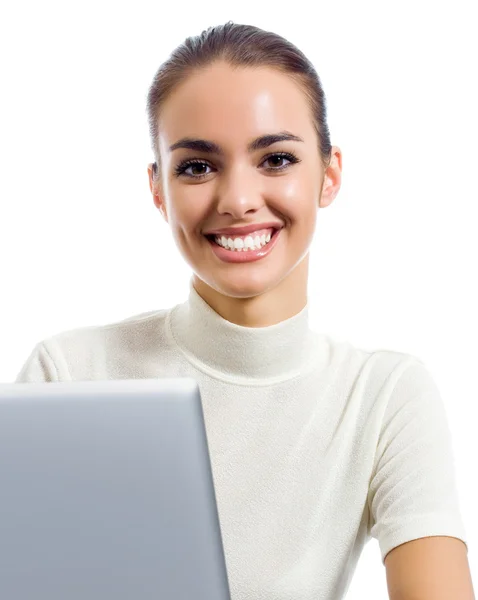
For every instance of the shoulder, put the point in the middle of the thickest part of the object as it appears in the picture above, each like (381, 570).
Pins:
(86, 352)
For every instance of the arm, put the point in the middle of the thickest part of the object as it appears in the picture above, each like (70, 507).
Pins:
(429, 568)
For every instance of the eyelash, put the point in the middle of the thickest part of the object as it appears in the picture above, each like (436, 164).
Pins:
(181, 168)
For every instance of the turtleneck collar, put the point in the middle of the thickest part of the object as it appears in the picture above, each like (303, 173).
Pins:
(251, 355)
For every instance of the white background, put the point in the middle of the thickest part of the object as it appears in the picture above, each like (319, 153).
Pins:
(393, 263)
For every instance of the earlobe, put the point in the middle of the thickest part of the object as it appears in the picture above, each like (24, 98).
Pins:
(160, 205)
(329, 191)
(162, 210)
(156, 191)
(332, 178)
(326, 199)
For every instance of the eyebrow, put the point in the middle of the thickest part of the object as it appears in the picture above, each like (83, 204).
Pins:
(258, 144)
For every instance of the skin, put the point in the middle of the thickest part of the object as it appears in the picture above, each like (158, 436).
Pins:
(231, 107)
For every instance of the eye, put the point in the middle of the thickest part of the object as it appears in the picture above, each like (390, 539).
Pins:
(281, 156)
(195, 164)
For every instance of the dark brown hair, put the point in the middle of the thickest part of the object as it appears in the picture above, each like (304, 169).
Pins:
(239, 46)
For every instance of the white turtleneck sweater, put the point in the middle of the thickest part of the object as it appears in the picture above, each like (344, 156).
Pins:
(316, 446)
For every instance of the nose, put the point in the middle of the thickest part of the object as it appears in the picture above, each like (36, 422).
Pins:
(239, 193)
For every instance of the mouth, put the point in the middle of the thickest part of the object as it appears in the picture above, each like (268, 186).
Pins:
(212, 237)
(247, 254)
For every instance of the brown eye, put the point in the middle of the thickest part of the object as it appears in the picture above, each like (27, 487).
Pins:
(196, 165)
(196, 169)
(277, 157)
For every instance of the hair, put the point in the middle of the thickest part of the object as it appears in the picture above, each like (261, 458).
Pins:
(239, 46)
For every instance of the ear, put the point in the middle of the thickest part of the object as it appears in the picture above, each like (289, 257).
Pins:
(332, 178)
(156, 190)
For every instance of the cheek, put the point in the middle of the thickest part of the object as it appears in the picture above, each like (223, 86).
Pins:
(291, 188)
(296, 197)
(188, 207)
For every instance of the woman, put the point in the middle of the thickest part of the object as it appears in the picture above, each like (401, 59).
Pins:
(316, 446)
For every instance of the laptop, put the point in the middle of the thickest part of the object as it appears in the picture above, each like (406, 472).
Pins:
(107, 493)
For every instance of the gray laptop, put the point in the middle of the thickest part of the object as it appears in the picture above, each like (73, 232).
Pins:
(106, 493)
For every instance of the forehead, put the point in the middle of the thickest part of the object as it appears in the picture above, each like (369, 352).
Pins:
(235, 105)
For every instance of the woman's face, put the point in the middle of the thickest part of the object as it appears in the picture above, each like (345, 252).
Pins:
(236, 185)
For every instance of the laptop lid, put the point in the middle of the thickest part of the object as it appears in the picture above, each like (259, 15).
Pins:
(106, 493)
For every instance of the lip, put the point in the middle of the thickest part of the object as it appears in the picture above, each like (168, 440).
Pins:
(248, 256)
(243, 230)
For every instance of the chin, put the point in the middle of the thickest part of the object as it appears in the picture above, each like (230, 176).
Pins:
(243, 286)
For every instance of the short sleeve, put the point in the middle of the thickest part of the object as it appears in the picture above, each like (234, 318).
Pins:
(38, 368)
(413, 491)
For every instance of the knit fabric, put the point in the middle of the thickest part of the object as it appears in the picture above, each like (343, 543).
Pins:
(316, 446)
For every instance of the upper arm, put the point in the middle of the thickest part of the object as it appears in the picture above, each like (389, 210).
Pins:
(413, 490)
(430, 568)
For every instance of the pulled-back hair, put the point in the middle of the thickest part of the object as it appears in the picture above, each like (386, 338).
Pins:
(239, 46)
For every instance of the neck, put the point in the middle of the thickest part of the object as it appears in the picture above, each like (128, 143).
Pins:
(282, 302)
(277, 350)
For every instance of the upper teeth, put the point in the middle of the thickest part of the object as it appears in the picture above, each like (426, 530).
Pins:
(239, 243)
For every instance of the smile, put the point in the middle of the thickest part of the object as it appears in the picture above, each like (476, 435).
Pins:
(246, 248)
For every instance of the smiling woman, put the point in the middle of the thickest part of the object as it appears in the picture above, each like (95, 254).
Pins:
(316, 445)
(246, 155)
